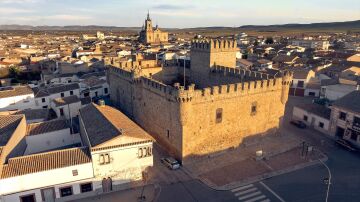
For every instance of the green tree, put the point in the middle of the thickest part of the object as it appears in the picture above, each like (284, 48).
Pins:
(269, 40)
(14, 71)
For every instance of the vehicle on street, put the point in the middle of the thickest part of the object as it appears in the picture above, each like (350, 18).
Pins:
(345, 144)
(171, 163)
(298, 123)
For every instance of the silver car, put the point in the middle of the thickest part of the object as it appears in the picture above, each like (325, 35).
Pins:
(171, 163)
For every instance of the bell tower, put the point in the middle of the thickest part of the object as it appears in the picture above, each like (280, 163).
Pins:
(148, 23)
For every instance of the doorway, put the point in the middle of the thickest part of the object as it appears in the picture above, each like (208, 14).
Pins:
(48, 194)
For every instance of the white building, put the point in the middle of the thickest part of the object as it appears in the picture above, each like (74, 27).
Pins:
(115, 151)
(314, 44)
(94, 87)
(45, 95)
(313, 115)
(336, 91)
(16, 98)
(67, 107)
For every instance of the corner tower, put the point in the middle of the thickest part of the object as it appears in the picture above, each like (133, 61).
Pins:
(209, 52)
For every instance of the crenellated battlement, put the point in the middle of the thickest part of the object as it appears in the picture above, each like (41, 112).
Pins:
(213, 44)
(241, 73)
(251, 82)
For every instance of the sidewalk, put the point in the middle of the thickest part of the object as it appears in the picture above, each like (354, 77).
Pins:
(151, 192)
(251, 170)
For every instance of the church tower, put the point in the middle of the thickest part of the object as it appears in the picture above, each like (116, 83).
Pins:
(148, 23)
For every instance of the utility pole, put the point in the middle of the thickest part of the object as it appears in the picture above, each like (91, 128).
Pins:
(329, 180)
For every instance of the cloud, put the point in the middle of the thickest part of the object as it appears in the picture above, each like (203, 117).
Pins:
(10, 10)
(176, 13)
(68, 17)
(18, 1)
(170, 7)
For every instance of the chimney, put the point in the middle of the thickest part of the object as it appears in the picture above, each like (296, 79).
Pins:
(101, 103)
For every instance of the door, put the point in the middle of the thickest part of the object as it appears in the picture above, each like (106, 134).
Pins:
(107, 184)
(48, 194)
(312, 121)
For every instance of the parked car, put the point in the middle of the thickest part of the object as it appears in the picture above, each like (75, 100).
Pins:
(345, 144)
(298, 123)
(171, 163)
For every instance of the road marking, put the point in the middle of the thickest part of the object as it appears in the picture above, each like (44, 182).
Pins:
(270, 190)
(249, 195)
(242, 188)
(246, 191)
(266, 200)
(256, 198)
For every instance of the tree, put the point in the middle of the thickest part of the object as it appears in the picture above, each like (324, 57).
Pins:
(269, 40)
(14, 71)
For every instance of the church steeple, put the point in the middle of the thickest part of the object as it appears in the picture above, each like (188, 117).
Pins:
(148, 16)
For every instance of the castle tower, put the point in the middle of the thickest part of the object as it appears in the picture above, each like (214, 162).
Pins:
(286, 81)
(209, 52)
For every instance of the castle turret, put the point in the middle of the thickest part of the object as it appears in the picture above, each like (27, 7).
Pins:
(207, 53)
(286, 81)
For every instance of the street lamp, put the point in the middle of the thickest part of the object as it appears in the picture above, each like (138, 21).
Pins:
(328, 180)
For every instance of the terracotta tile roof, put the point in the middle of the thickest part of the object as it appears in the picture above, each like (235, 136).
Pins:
(93, 81)
(316, 109)
(66, 100)
(45, 161)
(350, 101)
(45, 127)
(103, 123)
(8, 124)
(15, 91)
(42, 92)
(32, 114)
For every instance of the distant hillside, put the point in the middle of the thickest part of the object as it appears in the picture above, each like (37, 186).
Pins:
(330, 25)
(68, 28)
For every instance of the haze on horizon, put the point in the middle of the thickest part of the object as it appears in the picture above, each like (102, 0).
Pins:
(176, 13)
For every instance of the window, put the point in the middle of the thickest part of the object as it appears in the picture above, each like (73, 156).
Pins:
(105, 90)
(62, 95)
(342, 116)
(61, 111)
(26, 101)
(144, 152)
(356, 121)
(28, 198)
(43, 99)
(75, 172)
(96, 93)
(305, 118)
(219, 115)
(66, 191)
(168, 134)
(86, 187)
(354, 136)
(104, 159)
(71, 92)
(253, 108)
(300, 84)
(321, 124)
(45, 107)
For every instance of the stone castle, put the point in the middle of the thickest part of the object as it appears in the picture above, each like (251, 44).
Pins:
(218, 107)
(150, 35)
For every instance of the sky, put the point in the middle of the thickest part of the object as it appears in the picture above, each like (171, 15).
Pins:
(176, 13)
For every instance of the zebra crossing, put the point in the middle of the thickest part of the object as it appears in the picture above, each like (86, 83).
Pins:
(249, 193)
